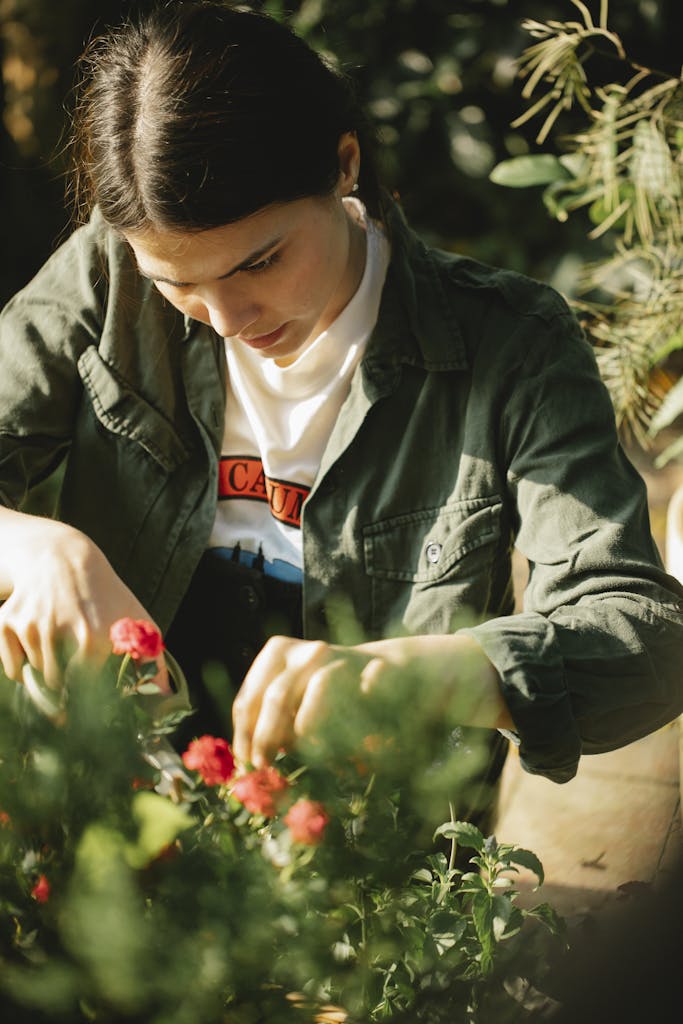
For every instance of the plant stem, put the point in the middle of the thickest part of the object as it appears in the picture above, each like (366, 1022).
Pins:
(454, 845)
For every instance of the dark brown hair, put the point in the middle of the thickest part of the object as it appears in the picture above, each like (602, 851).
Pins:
(197, 115)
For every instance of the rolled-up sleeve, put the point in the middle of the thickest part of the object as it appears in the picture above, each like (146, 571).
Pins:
(594, 659)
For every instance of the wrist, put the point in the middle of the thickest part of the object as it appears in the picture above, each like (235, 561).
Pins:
(454, 675)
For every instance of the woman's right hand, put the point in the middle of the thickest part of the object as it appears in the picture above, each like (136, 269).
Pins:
(61, 597)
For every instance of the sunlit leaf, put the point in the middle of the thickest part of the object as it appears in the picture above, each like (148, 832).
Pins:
(160, 822)
(527, 170)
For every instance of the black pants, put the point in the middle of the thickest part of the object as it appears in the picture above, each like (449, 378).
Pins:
(226, 616)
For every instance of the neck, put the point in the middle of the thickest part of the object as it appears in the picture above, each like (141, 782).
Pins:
(357, 249)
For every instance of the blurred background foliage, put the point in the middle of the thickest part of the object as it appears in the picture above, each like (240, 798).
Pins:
(438, 77)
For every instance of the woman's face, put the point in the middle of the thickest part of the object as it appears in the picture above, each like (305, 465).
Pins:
(273, 280)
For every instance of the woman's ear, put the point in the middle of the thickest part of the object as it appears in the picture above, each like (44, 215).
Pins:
(348, 152)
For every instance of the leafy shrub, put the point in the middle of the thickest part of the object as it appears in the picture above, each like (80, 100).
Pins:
(136, 888)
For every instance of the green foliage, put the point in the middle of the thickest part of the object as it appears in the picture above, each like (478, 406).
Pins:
(623, 166)
(170, 902)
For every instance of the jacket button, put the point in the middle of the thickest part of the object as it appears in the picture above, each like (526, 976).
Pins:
(249, 597)
(247, 655)
(433, 551)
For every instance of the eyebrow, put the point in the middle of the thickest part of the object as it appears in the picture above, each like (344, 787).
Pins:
(253, 257)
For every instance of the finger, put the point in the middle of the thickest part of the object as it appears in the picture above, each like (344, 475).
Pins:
(86, 652)
(274, 728)
(52, 670)
(162, 678)
(31, 641)
(329, 709)
(12, 654)
(279, 655)
(245, 709)
(314, 702)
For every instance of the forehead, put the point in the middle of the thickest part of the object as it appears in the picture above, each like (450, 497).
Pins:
(193, 255)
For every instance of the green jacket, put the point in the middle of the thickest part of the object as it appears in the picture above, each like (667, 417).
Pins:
(475, 422)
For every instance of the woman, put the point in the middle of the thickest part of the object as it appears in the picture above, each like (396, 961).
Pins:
(243, 314)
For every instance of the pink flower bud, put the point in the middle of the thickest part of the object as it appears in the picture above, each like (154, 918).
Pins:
(307, 821)
(260, 790)
(41, 890)
(137, 637)
(211, 756)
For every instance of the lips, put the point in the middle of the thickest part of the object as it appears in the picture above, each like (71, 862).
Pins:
(264, 340)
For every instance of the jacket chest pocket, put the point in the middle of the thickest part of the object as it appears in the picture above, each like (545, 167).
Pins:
(126, 414)
(123, 455)
(427, 567)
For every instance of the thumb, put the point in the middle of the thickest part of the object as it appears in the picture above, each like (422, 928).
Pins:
(163, 679)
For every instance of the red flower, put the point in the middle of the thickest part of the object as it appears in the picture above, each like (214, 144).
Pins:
(212, 757)
(137, 637)
(260, 790)
(307, 821)
(41, 890)
(5, 820)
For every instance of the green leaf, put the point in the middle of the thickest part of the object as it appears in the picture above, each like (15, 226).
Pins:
(600, 211)
(103, 922)
(502, 909)
(527, 859)
(472, 882)
(483, 915)
(447, 940)
(150, 688)
(463, 832)
(549, 916)
(160, 822)
(525, 171)
(53, 989)
(515, 922)
(575, 163)
(438, 862)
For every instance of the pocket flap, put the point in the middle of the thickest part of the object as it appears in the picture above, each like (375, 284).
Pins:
(422, 546)
(122, 411)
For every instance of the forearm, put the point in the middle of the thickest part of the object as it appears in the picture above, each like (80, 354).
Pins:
(464, 683)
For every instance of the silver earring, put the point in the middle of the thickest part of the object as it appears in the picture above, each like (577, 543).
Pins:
(354, 187)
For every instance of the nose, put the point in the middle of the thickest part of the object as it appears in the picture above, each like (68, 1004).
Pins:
(229, 314)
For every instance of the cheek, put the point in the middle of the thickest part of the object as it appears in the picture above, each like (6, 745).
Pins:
(190, 305)
(310, 284)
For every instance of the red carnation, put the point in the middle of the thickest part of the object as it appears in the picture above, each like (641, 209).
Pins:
(137, 637)
(307, 821)
(211, 756)
(260, 790)
(41, 890)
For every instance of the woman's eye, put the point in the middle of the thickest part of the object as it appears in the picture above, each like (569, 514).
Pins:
(256, 268)
(170, 287)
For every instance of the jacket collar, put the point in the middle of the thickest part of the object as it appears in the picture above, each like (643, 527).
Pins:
(418, 317)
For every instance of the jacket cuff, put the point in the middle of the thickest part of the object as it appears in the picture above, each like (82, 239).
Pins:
(524, 650)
